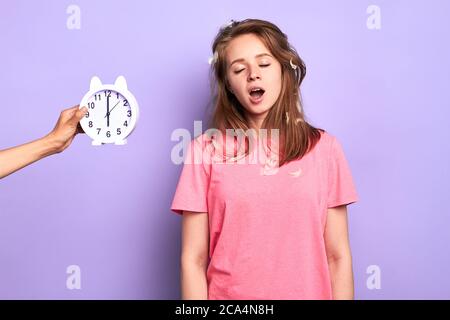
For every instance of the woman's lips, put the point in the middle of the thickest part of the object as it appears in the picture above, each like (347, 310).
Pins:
(257, 100)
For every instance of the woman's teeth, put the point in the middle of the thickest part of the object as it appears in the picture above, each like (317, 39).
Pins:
(256, 96)
(257, 93)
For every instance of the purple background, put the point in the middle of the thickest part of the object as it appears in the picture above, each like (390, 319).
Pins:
(383, 93)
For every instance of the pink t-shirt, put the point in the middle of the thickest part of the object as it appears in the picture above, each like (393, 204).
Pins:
(266, 226)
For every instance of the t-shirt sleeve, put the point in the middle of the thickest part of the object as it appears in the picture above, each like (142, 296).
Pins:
(192, 188)
(341, 187)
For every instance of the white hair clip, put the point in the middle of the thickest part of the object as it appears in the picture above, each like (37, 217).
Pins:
(214, 58)
(293, 66)
(228, 24)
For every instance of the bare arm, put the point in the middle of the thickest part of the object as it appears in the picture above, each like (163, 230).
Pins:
(194, 255)
(339, 254)
(60, 138)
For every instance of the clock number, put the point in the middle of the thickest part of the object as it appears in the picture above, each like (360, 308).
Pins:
(117, 95)
(119, 132)
(98, 130)
(108, 134)
(129, 113)
(108, 93)
(98, 96)
(87, 114)
(90, 124)
(91, 105)
(125, 123)
(125, 103)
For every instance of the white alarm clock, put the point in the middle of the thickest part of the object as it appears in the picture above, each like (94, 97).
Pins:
(112, 112)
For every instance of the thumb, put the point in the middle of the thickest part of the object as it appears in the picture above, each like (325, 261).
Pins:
(79, 114)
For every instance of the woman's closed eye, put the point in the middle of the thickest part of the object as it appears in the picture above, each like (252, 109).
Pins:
(261, 65)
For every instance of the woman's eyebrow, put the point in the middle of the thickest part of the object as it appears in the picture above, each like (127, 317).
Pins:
(257, 56)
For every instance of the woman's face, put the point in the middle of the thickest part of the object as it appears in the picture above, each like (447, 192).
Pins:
(250, 64)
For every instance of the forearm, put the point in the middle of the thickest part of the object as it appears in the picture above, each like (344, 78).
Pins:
(16, 158)
(193, 282)
(341, 278)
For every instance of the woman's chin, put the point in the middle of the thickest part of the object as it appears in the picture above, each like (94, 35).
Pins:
(257, 110)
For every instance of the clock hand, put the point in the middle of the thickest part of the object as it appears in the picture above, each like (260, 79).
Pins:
(107, 111)
(113, 107)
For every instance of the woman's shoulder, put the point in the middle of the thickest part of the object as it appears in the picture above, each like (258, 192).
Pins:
(326, 144)
(330, 144)
(326, 139)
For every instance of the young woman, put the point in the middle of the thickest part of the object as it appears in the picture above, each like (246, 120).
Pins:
(249, 231)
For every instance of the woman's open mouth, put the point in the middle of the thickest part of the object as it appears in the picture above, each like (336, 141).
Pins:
(256, 95)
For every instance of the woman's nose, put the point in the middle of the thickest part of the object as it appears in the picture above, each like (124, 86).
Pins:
(254, 73)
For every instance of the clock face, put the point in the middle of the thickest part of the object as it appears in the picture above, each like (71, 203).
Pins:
(109, 116)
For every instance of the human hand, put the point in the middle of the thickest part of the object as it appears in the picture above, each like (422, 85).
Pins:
(66, 128)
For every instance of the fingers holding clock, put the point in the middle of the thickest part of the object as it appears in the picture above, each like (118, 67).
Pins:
(69, 117)
(72, 115)
(72, 124)
(76, 114)
(67, 114)
(66, 127)
(79, 129)
(79, 114)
